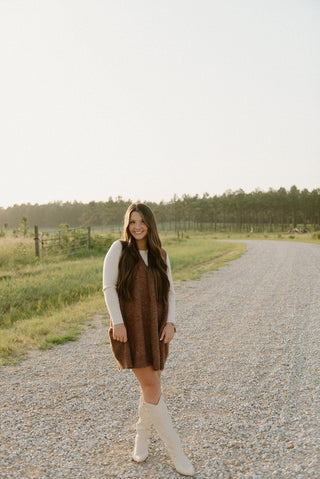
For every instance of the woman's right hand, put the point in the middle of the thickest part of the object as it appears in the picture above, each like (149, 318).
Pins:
(120, 333)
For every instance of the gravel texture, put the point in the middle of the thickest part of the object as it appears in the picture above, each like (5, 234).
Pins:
(241, 382)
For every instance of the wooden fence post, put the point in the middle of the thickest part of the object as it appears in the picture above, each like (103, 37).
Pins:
(36, 241)
(42, 244)
(89, 237)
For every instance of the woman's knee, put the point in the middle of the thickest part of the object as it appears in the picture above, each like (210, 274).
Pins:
(148, 378)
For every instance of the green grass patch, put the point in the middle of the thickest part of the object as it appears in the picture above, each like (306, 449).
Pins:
(51, 340)
(52, 286)
(190, 258)
(40, 332)
(312, 237)
(16, 252)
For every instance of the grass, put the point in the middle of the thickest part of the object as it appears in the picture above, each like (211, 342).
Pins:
(24, 294)
(16, 252)
(41, 332)
(191, 258)
(49, 302)
(312, 237)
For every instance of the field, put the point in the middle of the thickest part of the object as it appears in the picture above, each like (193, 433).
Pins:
(47, 302)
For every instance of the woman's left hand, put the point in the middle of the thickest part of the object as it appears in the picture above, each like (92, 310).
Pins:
(168, 333)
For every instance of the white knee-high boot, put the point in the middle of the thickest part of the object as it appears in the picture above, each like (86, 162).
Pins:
(140, 452)
(161, 420)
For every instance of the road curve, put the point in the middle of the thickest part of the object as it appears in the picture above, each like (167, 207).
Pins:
(241, 382)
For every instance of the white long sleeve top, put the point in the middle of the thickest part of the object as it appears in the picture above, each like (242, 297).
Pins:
(110, 277)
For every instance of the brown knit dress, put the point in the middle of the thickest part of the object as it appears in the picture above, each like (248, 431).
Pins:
(145, 320)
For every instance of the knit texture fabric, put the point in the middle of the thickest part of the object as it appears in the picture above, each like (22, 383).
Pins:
(145, 320)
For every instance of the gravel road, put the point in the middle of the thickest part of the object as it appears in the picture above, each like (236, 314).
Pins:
(242, 383)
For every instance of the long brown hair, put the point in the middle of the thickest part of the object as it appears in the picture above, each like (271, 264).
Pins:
(129, 259)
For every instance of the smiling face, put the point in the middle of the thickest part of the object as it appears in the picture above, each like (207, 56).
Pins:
(138, 229)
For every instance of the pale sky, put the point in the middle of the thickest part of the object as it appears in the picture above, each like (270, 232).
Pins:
(151, 98)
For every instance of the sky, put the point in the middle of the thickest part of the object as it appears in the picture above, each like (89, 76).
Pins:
(147, 99)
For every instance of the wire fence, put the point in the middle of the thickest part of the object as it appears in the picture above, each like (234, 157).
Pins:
(67, 241)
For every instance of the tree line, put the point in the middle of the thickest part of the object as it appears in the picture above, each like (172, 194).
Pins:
(272, 210)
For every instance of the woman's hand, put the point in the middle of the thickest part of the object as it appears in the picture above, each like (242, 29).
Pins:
(120, 333)
(168, 333)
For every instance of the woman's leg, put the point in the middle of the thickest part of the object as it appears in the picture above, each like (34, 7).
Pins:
(154, 410)
(149, 381)
(150, 384)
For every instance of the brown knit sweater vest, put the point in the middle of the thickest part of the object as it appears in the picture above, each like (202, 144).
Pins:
(145, 319)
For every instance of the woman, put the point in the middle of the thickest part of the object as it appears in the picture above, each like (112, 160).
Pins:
(139, 294)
